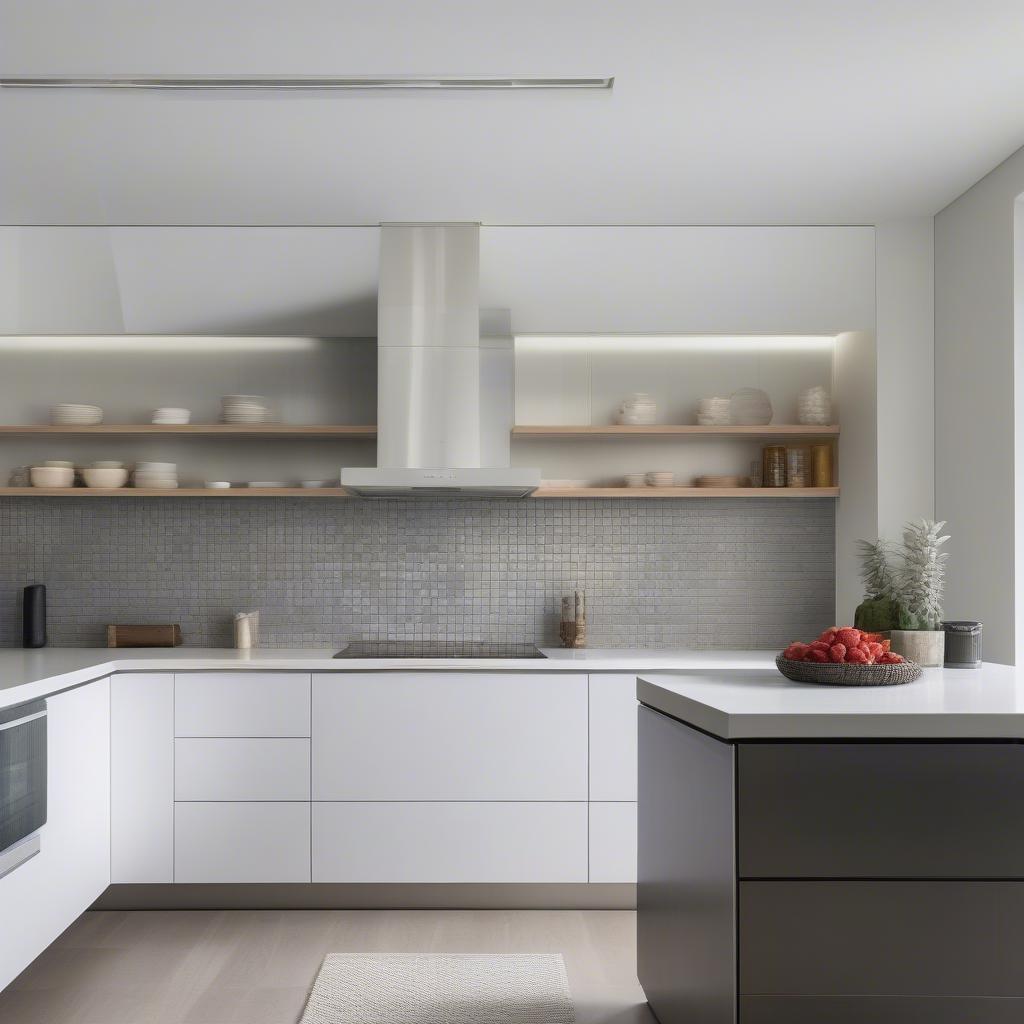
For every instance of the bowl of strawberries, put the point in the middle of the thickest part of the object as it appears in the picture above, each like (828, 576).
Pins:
(846, 656)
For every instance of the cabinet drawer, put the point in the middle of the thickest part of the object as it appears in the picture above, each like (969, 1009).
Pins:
(881, 810)
(449, 842)
(447, 736)
(241, 704)
(613, 736)
(889, 938)
(241, 769)
(613, 842)
(241, 842)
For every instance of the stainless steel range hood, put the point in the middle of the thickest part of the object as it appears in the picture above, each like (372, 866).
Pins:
(445, 376)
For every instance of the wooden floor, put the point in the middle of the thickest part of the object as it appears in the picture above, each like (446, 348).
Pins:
(257, 966)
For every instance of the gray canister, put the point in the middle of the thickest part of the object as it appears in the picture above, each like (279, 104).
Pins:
(963, 644)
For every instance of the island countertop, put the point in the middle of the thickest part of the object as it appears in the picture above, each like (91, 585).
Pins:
(745, 704)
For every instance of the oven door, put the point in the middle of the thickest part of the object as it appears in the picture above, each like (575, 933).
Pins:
(22, 782)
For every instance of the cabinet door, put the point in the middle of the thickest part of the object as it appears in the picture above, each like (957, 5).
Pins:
(613, 736)
(449, 842)
(42, 896)
(241, 842)
(241, 704)
(613, 842)
(241, 769)
(142, 777)
(449, 736)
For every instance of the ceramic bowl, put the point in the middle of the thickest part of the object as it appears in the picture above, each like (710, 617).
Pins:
(661, 478)
(107, 465)
(105, 476)
(52, 476)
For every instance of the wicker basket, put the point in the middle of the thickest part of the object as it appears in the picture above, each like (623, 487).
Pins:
(827, 673)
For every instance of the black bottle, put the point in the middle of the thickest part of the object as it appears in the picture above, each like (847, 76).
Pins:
(33, 623)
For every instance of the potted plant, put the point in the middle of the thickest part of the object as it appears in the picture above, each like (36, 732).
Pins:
(904, 591)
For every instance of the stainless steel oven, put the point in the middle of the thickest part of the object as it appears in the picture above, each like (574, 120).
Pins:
(22, 782)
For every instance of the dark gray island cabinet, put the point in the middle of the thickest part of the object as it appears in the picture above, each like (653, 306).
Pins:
(867, 869)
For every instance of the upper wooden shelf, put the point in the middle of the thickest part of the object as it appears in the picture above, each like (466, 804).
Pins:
(686, 492)
(192, 430)
(675, 430)
(174, 492)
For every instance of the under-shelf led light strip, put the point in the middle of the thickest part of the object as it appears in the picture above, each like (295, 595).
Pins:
(561, 343)
(322, 83)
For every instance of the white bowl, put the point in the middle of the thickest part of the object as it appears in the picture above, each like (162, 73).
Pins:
(105, 476)
(106, 465)
(52, 476)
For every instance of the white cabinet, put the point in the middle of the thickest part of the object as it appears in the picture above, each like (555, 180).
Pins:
(450, 736)
(613, 842)
(241, 842)
(241, 769)
(613, 736)
(142, 777)
(241, 704)
(449, 842)
(41, 897)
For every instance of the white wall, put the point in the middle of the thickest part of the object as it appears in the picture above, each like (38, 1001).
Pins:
(974, 397)
(905, 375)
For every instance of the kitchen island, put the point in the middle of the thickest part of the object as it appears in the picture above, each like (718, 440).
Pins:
(811, 854)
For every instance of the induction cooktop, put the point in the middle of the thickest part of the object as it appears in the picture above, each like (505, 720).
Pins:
(436, 649)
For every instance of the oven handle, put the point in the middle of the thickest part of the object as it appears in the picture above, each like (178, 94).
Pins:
(22, 721)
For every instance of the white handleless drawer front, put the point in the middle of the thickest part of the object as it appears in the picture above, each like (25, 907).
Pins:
(449, 842)
(241, 769)
(142, 777)
(241, 704)
(241, 842)
(449, 736)
(613, 842)
(613, 736)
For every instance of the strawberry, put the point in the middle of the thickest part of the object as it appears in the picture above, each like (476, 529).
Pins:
(837, 653)
(875, 650)
(828, 637)
(856, 657)
(849, 636)
(820, 645)
(815, 655)
(795, 652)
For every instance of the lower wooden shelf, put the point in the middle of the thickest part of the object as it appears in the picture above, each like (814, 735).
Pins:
(687, 492)
(340, 492)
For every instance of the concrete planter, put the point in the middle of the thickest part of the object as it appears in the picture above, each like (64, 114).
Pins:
(925, 646)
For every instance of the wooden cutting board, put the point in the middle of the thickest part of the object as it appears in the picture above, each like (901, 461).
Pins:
(144, 636)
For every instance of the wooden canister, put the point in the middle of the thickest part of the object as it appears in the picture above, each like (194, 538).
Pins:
(821, 465)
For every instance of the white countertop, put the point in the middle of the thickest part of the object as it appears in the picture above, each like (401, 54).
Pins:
(984, 703)
(29, 674)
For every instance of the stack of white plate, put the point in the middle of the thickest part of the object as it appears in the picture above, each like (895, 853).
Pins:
(714, 412)
(72, 415)
(156, 475)
(243, 409)
(171, 415)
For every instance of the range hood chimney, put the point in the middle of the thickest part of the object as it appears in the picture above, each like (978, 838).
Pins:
(444, 397)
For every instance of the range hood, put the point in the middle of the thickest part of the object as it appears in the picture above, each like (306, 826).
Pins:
(445, 373)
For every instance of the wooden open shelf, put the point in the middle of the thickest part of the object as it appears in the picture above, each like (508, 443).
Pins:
(666, 430)
(180, 492)
(687, 492)
(264, 430)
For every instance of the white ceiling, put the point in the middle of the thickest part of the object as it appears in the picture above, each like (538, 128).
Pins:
(724, 111)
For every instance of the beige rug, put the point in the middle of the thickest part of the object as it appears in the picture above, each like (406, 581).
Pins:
(527, 989)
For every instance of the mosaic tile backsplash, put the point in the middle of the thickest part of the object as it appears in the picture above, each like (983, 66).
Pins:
(676, 573)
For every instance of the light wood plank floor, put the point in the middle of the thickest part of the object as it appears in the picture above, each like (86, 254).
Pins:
(257, 966)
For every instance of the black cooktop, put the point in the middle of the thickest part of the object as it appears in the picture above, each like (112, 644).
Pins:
(431, 649)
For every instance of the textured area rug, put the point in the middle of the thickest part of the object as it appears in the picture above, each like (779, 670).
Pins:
(528, 989)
